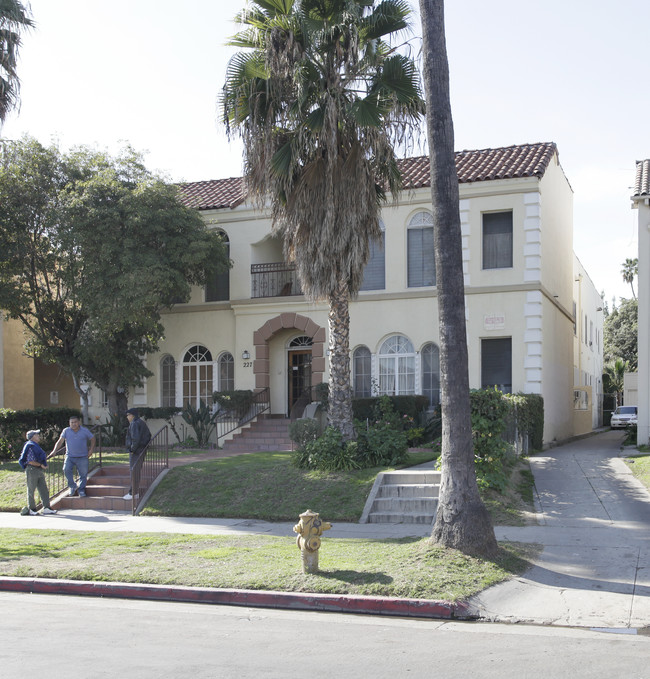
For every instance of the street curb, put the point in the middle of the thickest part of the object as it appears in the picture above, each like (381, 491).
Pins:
(340, 603)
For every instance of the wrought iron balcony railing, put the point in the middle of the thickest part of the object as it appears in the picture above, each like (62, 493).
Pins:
(275, 279)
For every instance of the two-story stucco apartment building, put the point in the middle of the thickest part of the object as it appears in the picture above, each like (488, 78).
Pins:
(533, 318)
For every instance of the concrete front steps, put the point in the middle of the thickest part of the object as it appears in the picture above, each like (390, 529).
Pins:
(403, 496)
(105, 490)
(265, 433)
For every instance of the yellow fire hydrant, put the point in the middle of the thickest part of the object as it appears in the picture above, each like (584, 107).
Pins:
(309, 530)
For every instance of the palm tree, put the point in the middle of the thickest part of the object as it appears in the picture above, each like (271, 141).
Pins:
(614, 378)
(462, 521)
(320, 101)
(630, 270)
(14, 17)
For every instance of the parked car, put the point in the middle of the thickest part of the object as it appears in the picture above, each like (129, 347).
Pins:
(624, 416)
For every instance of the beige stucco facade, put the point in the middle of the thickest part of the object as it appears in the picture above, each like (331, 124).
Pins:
(529, 306)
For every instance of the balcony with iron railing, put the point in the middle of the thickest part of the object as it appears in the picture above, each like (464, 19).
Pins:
(274, 279)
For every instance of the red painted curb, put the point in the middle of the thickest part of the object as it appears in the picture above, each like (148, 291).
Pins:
(343, 603)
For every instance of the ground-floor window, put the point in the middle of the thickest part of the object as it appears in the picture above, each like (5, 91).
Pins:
(430, 370)
(396, 367)
(197, 376)
(167, 381)
(496, 364)
(362, 372)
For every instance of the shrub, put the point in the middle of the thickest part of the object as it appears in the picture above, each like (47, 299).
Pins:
(489, 412)
(411, 406)
(382, 442)
(237, 401)
(14, 424)
(327, 453)
(528, 414)
(201, 420)
(304, 431)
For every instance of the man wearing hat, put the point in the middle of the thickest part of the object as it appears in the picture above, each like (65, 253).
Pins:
(33, 460)
(76, 440)
(137, 439)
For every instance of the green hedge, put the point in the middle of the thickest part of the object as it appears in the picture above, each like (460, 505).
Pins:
(15, 423)
(409, 406)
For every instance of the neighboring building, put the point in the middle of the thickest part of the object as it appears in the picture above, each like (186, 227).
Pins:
(533, 318)
(641, 202)
(26, 383)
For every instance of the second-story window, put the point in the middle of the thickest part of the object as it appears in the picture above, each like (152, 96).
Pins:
(421, 263)
(374, 275)
(497, 240)
(218, 289)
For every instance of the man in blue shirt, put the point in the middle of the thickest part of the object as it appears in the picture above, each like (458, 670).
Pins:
(76, 440)
(33, 460)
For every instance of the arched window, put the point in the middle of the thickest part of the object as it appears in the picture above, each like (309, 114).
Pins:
(374, 274)
(430, 369)
(421, 263)
(396, 366)
(197, 376)
(361, 367)
(167, 382)
(218, 289)
(226, 372)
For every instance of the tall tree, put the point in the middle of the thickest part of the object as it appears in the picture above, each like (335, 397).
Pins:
(320, 100)
(92, 249)
(462, 521)
(620, 333)
(614, 378)
(630, 271)
(14, 18)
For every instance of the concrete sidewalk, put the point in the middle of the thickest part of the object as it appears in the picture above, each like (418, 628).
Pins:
(593, 522)
(594, 570)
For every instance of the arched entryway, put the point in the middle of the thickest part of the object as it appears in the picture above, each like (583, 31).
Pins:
(308, 359)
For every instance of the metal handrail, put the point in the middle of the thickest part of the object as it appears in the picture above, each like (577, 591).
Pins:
(230, 420)
(149, 465)
(56, 481)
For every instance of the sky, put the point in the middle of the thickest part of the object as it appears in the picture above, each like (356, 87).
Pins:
(148, 72)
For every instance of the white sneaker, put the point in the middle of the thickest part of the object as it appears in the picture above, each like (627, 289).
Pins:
(47, 510)
(128, 496)
(33, 513)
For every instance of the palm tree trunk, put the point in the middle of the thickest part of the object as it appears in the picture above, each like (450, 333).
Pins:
(339, 413)
(462, 521)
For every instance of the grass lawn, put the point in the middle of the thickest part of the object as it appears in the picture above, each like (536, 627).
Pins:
(394, 568)
(640, 466)
(264, 486)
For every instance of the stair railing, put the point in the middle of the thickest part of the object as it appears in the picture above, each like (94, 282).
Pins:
(149, 465)
(231, 420)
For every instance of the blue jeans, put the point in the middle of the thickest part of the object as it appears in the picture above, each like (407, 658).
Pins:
(81, 463)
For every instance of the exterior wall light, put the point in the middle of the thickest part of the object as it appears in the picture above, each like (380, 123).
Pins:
(245, 354)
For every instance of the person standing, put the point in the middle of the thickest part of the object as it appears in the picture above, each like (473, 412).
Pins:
(77, 440)
(137, 439)
(33, 460)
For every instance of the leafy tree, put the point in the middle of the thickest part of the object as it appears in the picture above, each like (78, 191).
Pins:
(92, 249)
(629, 271)
(14, 18)
(462, 521)
(614, 378)
(320, 100)
(620, 333)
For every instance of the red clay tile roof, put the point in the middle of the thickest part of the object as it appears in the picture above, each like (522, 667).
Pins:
(642, 180)
(527, 160)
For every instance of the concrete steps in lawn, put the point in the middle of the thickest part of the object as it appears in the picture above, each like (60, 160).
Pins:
(403, 496)
(104, 491)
